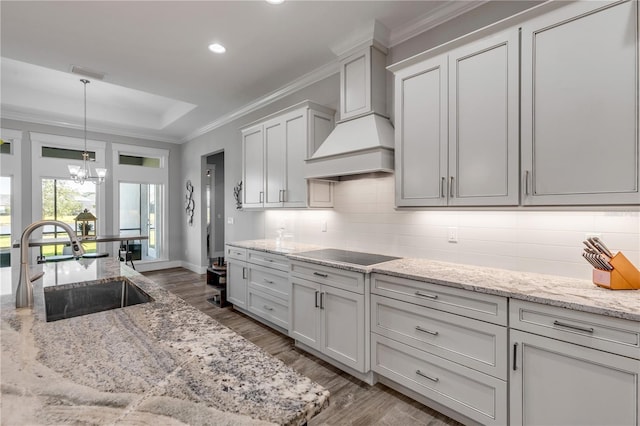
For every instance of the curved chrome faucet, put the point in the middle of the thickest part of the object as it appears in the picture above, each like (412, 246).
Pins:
(24, 292)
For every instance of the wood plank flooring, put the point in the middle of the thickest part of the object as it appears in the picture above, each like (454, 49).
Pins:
(352, 401)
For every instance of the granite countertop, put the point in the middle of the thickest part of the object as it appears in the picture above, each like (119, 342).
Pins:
(272, 246)
(162, 362)
(572, 293)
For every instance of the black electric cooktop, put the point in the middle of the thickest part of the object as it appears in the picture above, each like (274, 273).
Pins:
(356, 257)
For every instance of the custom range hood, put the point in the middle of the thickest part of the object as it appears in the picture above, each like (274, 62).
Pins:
(363, 139)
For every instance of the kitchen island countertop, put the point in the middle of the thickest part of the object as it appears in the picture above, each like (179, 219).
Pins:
(162, 362)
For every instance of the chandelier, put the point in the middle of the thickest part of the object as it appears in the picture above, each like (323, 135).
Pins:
(80, 174)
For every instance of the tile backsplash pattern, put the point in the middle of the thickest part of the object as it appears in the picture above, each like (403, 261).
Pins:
(364, 219)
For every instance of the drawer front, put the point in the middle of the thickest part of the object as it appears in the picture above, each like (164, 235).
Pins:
(476, 395)
(609, 334)
(340, 278)
(269, 260)
(472, 343)
(235, 253)
(485, 307)
(268, 307)
(266, 280)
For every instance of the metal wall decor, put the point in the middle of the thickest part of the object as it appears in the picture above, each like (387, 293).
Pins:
(237, 190)
(190, 204)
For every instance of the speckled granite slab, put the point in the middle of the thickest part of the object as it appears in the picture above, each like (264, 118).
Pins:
(272, 246)
(581, 295)
(162, 362)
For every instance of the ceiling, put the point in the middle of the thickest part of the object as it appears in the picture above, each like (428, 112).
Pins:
(161, 82)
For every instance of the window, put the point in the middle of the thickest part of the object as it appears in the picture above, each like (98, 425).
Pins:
(69, 154)
(140, 215)
(5, 147)
(132, 160)
(63, 200)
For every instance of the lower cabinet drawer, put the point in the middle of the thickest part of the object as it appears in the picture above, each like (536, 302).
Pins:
(475, 344)
(478, 396)
(269, 281)
(236, 253)
(268, 307)
(609, 334)
(269, 260)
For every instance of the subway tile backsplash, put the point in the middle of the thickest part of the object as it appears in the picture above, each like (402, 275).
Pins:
(549, 242)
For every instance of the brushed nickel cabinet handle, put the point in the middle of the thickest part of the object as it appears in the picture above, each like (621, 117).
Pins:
(451, 187)
(526, 182)
(515, 356)
(322, 300)
(317, 306)
(261, 197)
(424, 330)
(268, 281)
(426, 376)
(443, 183)
(427, 295)
(244, 273)
(573, 327)
(268, 308)
(318, 274)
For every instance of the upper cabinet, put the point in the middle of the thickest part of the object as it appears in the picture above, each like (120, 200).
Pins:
(457, 126)
(273, 152)
(580, 99)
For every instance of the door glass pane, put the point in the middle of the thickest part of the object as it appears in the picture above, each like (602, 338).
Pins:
(140, 215)
(5, 221)
(63, 200)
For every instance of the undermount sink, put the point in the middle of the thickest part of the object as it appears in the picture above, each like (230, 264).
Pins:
(73, 300)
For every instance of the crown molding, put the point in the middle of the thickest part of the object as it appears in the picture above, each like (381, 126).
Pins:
(306, 80)
(439, 16)
(29, 117)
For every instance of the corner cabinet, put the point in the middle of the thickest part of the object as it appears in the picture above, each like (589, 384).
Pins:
(273, 154)
(572, 368)
(457, 126)
(580, 100)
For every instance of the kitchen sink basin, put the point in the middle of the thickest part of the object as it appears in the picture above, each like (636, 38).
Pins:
(73, 300)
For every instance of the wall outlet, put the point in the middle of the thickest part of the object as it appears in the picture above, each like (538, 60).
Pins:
(323, 226)
(230, 220)
(452, 234)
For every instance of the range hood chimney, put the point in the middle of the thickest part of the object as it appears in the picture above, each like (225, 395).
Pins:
(363, 140)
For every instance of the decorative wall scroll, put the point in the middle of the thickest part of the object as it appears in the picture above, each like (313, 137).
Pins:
(237, 190)
(190, 204)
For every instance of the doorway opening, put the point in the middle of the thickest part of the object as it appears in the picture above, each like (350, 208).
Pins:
(214, 178)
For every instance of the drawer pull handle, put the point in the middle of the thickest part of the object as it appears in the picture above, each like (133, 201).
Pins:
(322, 300)
(573, 327)
(427, 295)
(318, 274)
(515, 355)
(269, 260)
(426, 376)
(317, 299)
(424, 330)
(268, 308)
(268, 281)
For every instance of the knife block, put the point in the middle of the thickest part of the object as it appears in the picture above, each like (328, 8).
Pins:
(624, 275)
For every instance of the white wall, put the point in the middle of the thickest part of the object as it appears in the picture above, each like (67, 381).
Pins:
(532, 240)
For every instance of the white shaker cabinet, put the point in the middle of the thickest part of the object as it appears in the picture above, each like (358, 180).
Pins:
(252, 167)
(327, 313)
(572, 368)
(457, 126)
(580, 94)
(236, 276)
(274, 150)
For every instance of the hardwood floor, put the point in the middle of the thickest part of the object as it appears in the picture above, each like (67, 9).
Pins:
(352, 402)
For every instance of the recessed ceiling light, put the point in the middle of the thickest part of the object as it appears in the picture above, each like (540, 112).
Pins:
(275, 1)
(217, 48)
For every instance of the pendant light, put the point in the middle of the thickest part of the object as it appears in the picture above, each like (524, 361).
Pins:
(80, 174)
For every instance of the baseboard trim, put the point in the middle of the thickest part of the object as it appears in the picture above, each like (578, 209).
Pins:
(194, 268)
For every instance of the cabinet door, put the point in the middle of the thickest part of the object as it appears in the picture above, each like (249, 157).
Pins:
(274, 172)
(355, 80)
(343, 326)
(304, 312)
(421, 134)
(253, 168)
(295, 187)
(558, 383)
(580, 99)
(237, 284)
(483, 122)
